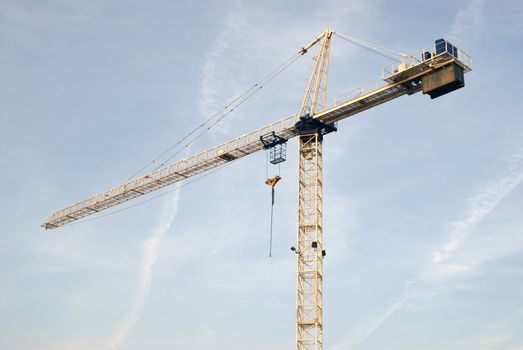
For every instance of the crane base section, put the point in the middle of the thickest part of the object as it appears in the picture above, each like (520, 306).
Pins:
(443, 81)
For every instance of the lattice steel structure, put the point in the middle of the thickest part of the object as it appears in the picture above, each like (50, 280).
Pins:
(407, 82)
(313, 121)
(315, 98)
(309, 257)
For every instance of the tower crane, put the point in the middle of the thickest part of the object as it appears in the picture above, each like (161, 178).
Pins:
(435, 72)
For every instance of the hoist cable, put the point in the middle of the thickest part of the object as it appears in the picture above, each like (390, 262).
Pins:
(267, 164)
(272, 214)
(241, 101)
(229, 108)
(388, 53)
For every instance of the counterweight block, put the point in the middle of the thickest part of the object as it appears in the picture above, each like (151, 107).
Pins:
(443, 81)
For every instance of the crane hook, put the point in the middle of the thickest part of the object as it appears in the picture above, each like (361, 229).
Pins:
(272, 182)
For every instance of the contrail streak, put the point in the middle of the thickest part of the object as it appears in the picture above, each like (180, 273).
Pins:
(487, 199)
(481, 205)
(150, 254)
(210, 87)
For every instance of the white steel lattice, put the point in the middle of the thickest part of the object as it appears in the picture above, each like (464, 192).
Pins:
(309, 276)
(315, 98)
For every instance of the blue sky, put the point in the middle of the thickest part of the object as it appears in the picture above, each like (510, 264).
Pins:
(423, 219)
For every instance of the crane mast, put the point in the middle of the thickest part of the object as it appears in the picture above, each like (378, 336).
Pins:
(439, 71)
(309, 251)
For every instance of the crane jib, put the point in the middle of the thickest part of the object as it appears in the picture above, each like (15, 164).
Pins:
(408, 81)
(439, 72)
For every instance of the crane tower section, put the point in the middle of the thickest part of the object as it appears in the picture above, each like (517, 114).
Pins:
(309, 272)
(310, 252)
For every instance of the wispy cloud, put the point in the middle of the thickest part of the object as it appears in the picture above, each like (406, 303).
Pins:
(365, 330)
(220, 79)
(441, 266)
(212, 84)
(480, 206)
(243, 53)
(150, 254)
(468, 22)
(212, 79)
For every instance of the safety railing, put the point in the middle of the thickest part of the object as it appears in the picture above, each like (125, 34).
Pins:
(211, 158)
(443, 47)
(440, 49)
(356, 92)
